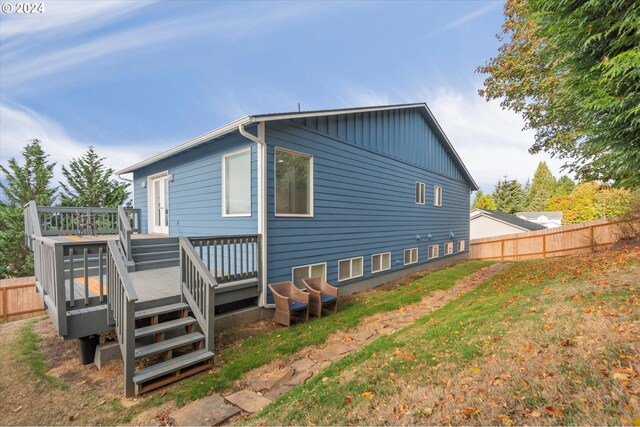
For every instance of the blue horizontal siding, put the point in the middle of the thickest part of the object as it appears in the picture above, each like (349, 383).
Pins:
(195, 194)
(364, 200)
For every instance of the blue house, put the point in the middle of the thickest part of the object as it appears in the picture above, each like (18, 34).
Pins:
(359, 196)
(352, 195)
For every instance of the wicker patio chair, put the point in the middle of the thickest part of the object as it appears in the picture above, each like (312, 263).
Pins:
(321, 294)
(289, 300)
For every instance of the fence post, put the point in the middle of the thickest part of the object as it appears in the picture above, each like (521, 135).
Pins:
(5, 305)
(502, 250)
(591, 238)
(544, 246)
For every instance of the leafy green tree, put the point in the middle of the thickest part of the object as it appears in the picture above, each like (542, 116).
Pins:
(612, 202)
(483, 201)
(90, 183)
(509, 196)
(542, 188)
(564, 186)
(26, 182)
(571, 69)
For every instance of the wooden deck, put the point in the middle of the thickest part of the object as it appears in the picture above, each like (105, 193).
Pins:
(104, 237)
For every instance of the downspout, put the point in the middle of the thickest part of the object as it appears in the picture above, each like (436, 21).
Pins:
(262, 203)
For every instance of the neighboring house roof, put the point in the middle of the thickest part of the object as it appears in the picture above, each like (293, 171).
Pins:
(233, 126)
(553, 215)
(507, 218)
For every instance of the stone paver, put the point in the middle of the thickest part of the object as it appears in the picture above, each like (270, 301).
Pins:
(363, 335)
(302, 364)
(248, 400)
(277, 392)
(329, 352)
(210, 411)
(271, 379)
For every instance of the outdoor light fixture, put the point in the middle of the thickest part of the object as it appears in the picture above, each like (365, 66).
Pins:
(143, 183)
(417, 237)
(451, 235)
(429, 236)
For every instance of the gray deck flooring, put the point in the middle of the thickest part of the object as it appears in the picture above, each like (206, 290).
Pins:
(149, 284)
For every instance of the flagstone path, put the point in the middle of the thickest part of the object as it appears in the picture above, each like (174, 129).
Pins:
(263, 385)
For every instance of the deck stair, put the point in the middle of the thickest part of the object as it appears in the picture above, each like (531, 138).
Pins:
(168, 342)
(155, 253)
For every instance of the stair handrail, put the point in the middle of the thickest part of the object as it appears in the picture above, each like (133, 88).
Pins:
(197, 288)
(124, 234)
(121, 311)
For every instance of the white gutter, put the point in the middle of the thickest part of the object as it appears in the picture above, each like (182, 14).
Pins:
(262, 202)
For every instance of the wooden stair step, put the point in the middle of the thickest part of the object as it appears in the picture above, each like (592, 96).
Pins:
(164, 326)
(167, 345)
(156, 311)
(172, 365)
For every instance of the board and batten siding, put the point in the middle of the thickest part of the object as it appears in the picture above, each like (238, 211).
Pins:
(195, 193)
(364, 203)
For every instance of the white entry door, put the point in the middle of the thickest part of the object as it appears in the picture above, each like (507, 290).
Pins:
(159, 204)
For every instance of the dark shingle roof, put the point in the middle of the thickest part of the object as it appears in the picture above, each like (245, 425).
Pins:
(514, 220)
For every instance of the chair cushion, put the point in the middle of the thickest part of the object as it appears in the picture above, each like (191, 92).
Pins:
(327, 298)
(297, 306)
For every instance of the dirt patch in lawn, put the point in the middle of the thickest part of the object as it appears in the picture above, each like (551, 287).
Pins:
(83, 395)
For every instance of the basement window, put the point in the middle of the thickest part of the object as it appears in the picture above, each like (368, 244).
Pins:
(311, 270)
(448, 248)
(434, 251)
(410, 256)
(460, 245)
(350, 268)
(380, 262)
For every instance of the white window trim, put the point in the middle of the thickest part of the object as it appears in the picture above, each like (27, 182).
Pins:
(463, 245)
(351, 276)
(275, 183)
(224, 199)
(423, 194)
(448, 245)
(324, 264)
(437, 201)
(382, 269)
(417, 256)
(437, 252)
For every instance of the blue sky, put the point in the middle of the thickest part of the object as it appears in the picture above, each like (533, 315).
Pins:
(133, 78)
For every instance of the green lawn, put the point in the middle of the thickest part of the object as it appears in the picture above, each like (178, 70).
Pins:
(282, 343)
(537, 343)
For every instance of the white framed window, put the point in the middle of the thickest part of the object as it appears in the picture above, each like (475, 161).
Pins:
(380, 262)
(311, 270)
(460, 245)
(420, 191)
(293, 183)
(437, 196)
(410, 256)
(236, 183)
(350, 268)
(448, 248)
(434, 251)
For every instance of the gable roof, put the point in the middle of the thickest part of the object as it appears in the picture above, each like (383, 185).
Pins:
(507, 218)
(535, 215)
(243, 121)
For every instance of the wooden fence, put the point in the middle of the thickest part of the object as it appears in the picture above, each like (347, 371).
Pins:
(19, 299)
(566, 240)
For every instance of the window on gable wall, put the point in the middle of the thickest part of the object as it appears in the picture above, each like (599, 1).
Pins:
(420, 190)
(294, 183)
(437, 196)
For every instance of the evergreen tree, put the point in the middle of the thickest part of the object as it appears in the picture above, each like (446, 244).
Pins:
(564, 186)
(483, 201)
(30, 181)
(509, 196)
(90, 183)
(542, 188)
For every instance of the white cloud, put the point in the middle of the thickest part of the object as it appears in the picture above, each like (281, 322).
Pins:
(18, 125)
(455, 23)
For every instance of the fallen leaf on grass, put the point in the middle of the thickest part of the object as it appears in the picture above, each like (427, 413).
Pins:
(368, 394)
(399, 352)
(554, 410)
(589, 310)
(427, 411)
(576, 297)
(547, 290)
(566, 343)
(535, 414)
(548, 326)
(17, 409)
(347, 400)
(470, 411)
(475, 370)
